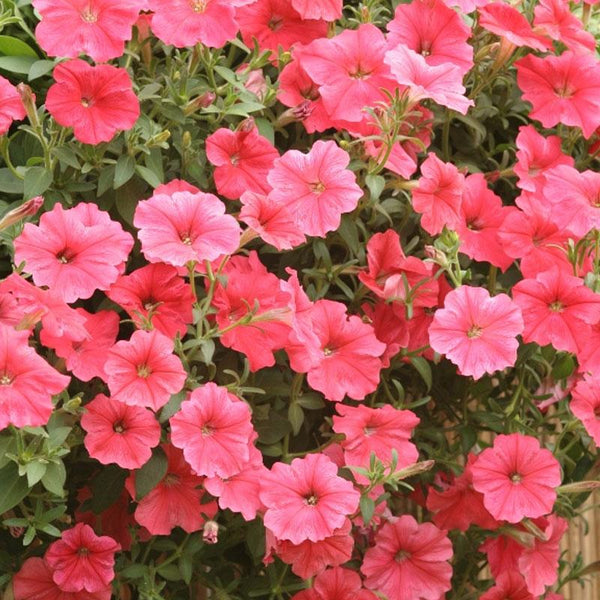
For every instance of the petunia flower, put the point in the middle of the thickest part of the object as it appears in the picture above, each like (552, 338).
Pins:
(95, 101)
(81, 560)
(214, 430)
(585, 405)
(306, 500)
(11, 105)
(180, 227)
(74, 251)
(328, 10)
(477, 332)
(409, 556)
(517, 478)
(119, 434)
(509, 585)
(98, 28)
(143, 371)
(336, 583)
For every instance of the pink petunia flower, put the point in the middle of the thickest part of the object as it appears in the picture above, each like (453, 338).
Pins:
(184, 23)
(517, 478)
(328, 10)
(82, 560)
(143, 371)
(75, 251)
(339, 352)
(214, 430)
(27, 382)
(562, 89)
(180, 227)
(98, 28)
(334, 584)
(156, 293)
(585, 405)
(434, 31)
(242, 160)
(176, 501)
(389, 325)
(316, 187)
(119, 434)
(11, 105)
(85, 358)
(509, 586)
(95, 101)
(477, 332)
(34, 581)
(409, 556)
(306, 500)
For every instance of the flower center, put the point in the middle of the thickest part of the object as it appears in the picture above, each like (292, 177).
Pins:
(474, 331)
(596, 410)
(369, 431)
(83, 551)
(171, 479)
(5, 379)
(359, 72)
(327, 351)
(64, 256)
(312, 500)
(317, 187)
(235, 159)
(143, 371)
(119, 427)
(556, 306)
(88, 15)
(564, 91)
(199, 6)
(276, 23)
(516, 478)
(185, 238)
(207, 430)
(86, 102)
(474, 225)
(402, 555)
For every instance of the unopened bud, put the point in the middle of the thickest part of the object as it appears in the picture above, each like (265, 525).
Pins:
(186, 140)
(210, 533)
(578, 487)
(202, 101)
(27, 209)
(28, 99)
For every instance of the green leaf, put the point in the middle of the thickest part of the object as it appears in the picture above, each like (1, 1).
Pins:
(296, 417)
(66, 156)
(375, 184)
(564, 367)
(40, 68)
(367, 508)
(16, 64)
(105, 180)
(310, 401)
(107, 487)
(150, 475)
(424, 369)
(54, 478)
(37, 181)
(169, 572)
(273, 429)
(9, 184)
(124, 170)
(8, 445)
(35, 470)
(185, 568)
(148, 175)
(12, 487)
(12, 46)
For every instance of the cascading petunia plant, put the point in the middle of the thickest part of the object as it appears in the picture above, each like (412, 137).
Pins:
(299, 299)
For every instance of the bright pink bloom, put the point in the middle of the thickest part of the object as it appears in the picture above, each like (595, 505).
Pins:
(341, 357)
(11, 105)
(438, 196)
(536, 155)
(156, 293)
(388, 327)
(588, 355)
(557, 309)
(272, 221)
(585, 405)
(81, 560)
(214, 430)
(517, 478)
(255, 297)
(242, 158)
(409, 556)
(175, 185)
(119, 434)
(306, 500)
(310, 558)
(143, 371)
(328, 10)
(507, 22)
(433, 30)
(27, 382)
(376, 430)
(316, 187)
(86, 358)
(181, 227)
(95, 101)
(336, 584)
(476, 331)
(98, 28)
(509, 586)
(562, 89)
(184, 23)
(459, 505)
(276, 23)
(34, 582)
(75, 251)
(176, 501)
(349, 70)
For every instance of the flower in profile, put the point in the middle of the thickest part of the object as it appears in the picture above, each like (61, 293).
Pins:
(242, 160)
(517, 478)
(340, 353)
(155, 293)
(75, 251)
(316, 187)
(409, 556)
(476, 331)
(117, 433)
(98, 28)
(11, 105)
(306, 500)
(214, 430)
(34, 581)
(562, 89)
(176, 501)
(180, 227)
(81, 560)
(27, 381)
(585, 405)
(95, 101)
(143, 371)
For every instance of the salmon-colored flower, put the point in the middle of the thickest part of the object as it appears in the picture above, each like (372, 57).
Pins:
(11, 105)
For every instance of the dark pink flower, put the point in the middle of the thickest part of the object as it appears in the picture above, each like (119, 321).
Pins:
(509, 586)
(585, 405)
(328, 10)
(11, 105)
